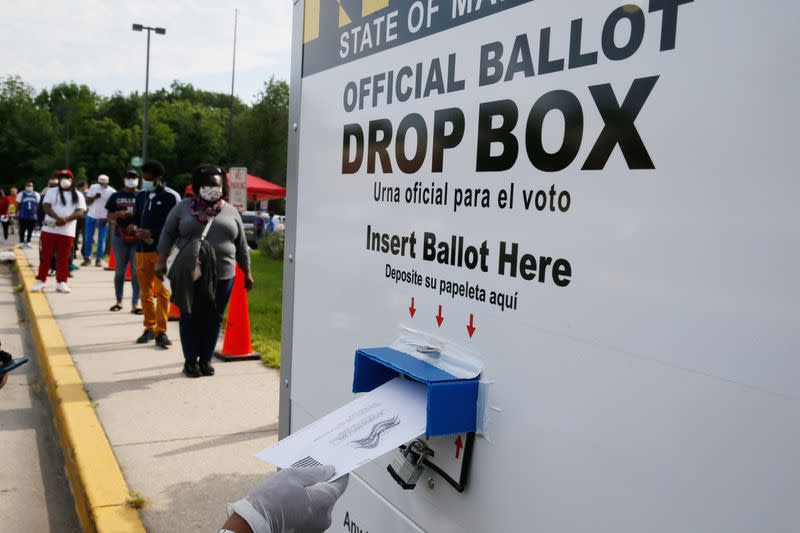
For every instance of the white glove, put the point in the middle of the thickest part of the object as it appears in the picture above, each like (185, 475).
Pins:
(294, 500)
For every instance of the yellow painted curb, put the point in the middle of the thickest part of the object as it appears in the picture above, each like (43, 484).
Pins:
(98, 487)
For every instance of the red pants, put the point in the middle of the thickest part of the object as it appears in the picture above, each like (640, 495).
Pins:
(61, 245)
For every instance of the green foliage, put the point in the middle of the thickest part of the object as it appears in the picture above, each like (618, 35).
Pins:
(27, 134)
(271, 245)
(260, 137)
(71, 125)
(264, 304)
(135, 500)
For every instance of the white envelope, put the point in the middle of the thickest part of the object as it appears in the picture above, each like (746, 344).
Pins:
(357, 433)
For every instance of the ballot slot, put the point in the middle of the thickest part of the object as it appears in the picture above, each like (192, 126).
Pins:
(451, 409)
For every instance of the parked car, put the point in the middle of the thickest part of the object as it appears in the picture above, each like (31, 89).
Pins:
(248, 220)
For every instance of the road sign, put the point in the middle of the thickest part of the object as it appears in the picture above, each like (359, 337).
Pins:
(137, 161)
(599, 201)
(238, 190)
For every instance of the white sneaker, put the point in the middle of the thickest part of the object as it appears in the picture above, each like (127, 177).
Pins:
(38, 286)
(63, 287)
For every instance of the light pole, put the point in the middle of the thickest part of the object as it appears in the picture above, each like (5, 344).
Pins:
(233, 77)
(159, 31)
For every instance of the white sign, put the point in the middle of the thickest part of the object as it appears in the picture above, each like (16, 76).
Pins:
(598, 199)
(238, 189)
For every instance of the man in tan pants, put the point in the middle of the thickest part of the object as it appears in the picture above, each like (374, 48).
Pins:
(153, 204)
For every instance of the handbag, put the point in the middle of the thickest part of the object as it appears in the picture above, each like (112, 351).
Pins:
(197, 273)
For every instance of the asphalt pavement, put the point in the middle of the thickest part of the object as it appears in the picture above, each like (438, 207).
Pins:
(34, 491)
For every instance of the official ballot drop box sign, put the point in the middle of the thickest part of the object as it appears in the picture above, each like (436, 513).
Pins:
(600, 201)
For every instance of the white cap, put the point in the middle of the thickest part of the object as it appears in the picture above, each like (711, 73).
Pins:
(103, 179)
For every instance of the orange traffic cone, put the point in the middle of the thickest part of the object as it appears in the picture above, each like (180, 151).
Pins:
(112, 264)
(174, 312)
(237, 345)
(128, 273)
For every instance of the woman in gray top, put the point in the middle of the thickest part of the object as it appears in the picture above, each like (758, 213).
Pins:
(200, 325)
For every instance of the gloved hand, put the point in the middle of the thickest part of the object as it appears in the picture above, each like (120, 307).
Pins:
(293, 500)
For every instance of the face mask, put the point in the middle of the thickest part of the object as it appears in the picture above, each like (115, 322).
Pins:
(148, 185)
(211, 194)
(131, 183)
(29, 189)
(65, 183)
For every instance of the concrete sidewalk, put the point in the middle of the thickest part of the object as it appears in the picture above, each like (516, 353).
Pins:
(186, 445)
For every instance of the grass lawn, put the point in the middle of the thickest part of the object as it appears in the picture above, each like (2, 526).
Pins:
(264, 304)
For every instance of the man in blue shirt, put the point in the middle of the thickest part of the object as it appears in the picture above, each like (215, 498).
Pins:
(153, 204)
(27, 212)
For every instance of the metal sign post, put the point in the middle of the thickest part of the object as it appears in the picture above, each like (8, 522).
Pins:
(599, 201)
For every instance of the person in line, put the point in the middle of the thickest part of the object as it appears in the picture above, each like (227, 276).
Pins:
(52, 182)
(27, 213)
(202, 300)
(12, 208)
(259, 225)
(294, 499)
(82, 187)
(63, 206)
(4, 217)
(270, 223)
(120, 207)
(97, 218)
(153, 204)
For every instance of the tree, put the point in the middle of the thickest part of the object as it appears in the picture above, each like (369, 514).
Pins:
(199, 134)
(27, 135)
(260, 140)
(188, 126)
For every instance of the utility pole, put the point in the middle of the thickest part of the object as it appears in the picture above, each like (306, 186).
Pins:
(66, 109)
(159, 31)
(233, 78)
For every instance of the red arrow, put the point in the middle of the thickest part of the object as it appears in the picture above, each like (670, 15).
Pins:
(459, 445)
(439, 317)
(470, 328)
(412, 309)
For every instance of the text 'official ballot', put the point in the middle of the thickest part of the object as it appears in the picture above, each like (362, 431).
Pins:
(355, 434)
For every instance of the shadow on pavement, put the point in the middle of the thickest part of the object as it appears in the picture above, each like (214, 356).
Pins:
(100, 347)
(145, 368)
(200, 505)
(224, 440)
(101, 390)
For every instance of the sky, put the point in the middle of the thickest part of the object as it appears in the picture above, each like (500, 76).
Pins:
(91, 42)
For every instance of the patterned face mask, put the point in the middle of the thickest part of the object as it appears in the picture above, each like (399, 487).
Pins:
(211, 194)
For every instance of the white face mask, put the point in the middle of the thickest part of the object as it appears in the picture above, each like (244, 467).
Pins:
(148, 185)
(29, 189)
(211, 194)
(131, 183)
(65, 183)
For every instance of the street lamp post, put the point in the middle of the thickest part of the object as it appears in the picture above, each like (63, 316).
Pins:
(159, 31)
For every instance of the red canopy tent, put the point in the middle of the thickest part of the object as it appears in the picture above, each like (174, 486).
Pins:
(257, 189)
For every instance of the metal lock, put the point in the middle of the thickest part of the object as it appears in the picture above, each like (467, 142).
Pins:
(407, 464)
